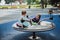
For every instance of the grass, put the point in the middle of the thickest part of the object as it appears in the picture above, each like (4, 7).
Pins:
(19, 6)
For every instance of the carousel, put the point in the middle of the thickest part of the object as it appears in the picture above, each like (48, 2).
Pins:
(44, 26)
(35, 27)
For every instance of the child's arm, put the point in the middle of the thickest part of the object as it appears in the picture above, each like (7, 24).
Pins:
(27, 18)
(44, 19)
(22, 20)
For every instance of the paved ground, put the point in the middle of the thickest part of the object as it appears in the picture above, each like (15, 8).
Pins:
(13, 14)
(8, 33)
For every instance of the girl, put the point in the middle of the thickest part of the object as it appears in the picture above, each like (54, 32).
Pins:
(37, 19)
(24, 21)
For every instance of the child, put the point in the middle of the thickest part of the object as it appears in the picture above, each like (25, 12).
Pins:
(24, 21)
(36, 19)
(51, 12)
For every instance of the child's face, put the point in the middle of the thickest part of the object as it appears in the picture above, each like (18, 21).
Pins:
(37, 17)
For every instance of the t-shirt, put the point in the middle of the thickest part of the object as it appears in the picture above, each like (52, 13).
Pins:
(35, 20)
(25, 22)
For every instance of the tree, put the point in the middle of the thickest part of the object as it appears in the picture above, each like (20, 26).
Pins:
(33, 0)
(8, 1)
(37, 1)
(28, 2)
(54, 2)
(0, 0)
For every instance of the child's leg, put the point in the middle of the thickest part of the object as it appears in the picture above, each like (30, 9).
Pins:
(38, 23)
(19, 25)
(24, 26)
